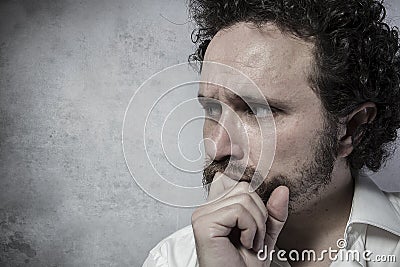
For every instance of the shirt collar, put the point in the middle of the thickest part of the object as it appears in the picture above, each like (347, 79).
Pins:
(371, 206)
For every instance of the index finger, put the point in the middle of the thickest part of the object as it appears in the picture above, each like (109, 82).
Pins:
(219, 186)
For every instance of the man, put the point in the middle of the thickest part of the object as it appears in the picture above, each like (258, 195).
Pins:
(330, 70)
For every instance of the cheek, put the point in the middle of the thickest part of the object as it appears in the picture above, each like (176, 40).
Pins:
(296, 138)
(261, 147)
(255, 144)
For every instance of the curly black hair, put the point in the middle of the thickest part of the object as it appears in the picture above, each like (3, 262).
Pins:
(356, 57)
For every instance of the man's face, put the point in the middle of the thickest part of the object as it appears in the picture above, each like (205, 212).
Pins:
(280, 65)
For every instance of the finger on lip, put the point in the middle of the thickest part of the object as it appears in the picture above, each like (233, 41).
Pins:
(220, 184)
(227, 182)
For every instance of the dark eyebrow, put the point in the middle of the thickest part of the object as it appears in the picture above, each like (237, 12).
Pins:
(252, 100)
(201, 98)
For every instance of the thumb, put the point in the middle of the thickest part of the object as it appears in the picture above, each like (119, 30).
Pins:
(277, 207)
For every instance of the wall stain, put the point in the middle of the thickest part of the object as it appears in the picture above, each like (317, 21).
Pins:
(17, 242)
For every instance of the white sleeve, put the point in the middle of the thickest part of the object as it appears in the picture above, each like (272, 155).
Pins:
(177, 250)
(155, 259)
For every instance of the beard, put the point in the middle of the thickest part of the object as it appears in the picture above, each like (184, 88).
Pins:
(305, 184)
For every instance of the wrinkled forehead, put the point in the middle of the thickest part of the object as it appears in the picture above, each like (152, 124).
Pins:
(231, 82)
(264, 56)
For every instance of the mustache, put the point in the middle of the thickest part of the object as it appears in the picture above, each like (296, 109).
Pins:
(242, 173)
(229, 168)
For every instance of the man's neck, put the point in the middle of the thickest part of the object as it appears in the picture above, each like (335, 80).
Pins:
(320, 225)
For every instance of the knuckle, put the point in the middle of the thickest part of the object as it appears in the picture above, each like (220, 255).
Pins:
(238, 208)
(197, 223)
(196, 215)
(203, 229)
(243, 187)
(246, 199)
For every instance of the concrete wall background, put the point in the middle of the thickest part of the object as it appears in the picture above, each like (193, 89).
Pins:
(67, 72)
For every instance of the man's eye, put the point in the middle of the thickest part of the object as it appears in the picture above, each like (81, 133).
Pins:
(212, 110)
(261, 111)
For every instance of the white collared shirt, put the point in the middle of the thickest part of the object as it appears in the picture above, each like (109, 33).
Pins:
(372, 234)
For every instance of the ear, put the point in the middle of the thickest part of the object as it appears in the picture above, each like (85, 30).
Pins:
(362, 115)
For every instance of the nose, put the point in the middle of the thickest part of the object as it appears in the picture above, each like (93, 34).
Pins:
(224, 139)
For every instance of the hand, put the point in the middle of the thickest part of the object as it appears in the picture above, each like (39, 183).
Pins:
(231, 230)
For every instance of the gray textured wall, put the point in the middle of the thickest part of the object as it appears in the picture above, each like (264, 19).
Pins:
(67, 72)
